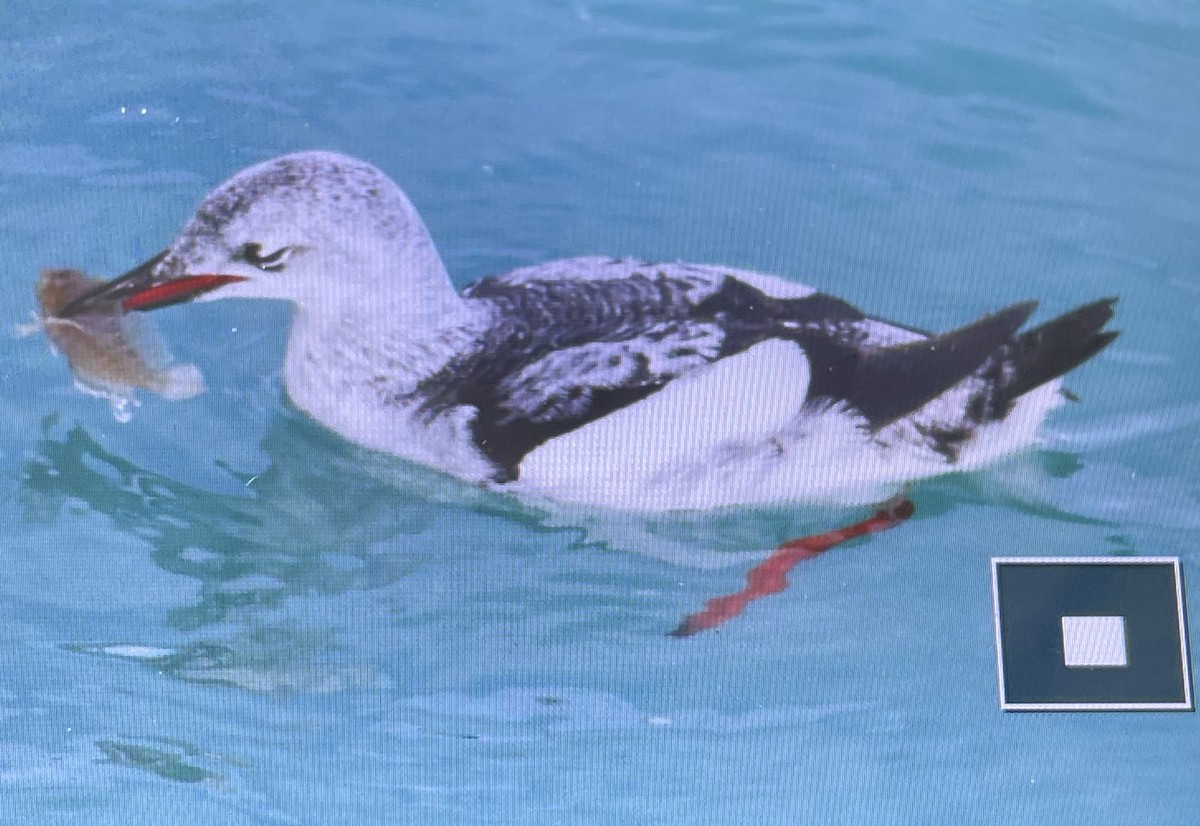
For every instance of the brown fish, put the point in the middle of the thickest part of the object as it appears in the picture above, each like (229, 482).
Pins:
(110, 352)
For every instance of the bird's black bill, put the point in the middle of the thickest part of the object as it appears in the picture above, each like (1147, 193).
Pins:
(117, 290)
(139, 290)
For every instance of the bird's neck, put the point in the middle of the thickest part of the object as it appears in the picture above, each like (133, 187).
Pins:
(370, 344)
(356, 373)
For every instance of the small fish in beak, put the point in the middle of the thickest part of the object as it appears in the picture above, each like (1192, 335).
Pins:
(111, 353)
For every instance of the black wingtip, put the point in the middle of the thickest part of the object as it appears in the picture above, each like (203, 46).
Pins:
(1021, 311)
(894, 381)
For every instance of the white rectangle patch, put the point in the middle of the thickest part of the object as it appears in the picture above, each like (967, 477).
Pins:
(1094, 642)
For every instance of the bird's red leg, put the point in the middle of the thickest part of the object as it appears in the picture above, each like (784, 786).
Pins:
(770, 575)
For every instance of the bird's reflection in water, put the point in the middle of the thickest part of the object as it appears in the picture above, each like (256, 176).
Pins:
(322, 518)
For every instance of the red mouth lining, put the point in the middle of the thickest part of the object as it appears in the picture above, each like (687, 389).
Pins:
(176, 290)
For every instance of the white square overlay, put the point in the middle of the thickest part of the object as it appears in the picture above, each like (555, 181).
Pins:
(1094, 642)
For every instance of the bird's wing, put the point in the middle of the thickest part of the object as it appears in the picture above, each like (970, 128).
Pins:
(573, 341)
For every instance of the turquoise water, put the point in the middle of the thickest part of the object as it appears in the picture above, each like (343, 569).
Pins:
(220, 612)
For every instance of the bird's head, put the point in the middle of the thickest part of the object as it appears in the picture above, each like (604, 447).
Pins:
(314, 228)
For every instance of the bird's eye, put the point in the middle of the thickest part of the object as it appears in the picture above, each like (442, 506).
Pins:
(275, 261)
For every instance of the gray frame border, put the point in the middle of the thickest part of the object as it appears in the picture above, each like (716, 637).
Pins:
(1186, 705)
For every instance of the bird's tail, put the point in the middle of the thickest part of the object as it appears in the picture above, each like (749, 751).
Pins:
(1056, 347)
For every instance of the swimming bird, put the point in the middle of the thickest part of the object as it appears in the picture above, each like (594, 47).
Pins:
(598, 380)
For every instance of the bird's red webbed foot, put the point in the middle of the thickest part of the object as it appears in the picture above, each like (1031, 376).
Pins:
(770, 575)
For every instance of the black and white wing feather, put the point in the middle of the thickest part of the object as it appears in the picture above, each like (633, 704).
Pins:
(564, 350)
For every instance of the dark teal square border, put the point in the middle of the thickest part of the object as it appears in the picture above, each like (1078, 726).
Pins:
(1031, 596)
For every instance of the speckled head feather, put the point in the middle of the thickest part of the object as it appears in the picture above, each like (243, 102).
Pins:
(308, 227)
